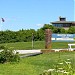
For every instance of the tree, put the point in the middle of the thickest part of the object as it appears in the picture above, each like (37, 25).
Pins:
(40, 34)
(56, 30)
(62, 30)
(47, 26)
(71, 30)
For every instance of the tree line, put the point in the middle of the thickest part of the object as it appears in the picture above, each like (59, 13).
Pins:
(27, 35)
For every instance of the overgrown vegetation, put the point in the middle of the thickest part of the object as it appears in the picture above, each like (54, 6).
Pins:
(8, 55)
(26, 35)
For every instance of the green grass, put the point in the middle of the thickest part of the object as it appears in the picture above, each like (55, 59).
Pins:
(37, 45)
(24, 45)
(36, 64)
(61, 45)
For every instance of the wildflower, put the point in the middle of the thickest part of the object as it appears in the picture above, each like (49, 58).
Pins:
(60, 63)
(60, 68)
(62, 71)
(66, 72)
(51, 70)
(68, 62)
(68, 59)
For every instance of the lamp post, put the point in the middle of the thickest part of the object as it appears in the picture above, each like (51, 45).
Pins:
(32, 41)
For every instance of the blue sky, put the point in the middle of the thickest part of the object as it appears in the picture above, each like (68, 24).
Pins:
(32, 14)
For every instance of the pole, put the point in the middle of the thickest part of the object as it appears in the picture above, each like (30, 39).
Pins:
(32, 41)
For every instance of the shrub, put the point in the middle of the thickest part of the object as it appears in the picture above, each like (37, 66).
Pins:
(2, 47)
(8, 55)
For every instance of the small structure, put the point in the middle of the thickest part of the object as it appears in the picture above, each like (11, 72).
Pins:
(70, 47)
(63, 23)
(48, 36)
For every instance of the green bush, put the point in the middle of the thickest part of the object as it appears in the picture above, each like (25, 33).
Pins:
(2, 47)
(8, 55)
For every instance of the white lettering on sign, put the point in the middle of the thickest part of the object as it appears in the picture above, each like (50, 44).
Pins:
(65, 35)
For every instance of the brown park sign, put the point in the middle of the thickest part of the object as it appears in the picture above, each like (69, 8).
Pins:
(48, 36)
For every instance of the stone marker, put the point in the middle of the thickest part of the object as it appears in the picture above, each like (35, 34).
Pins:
(48, 35)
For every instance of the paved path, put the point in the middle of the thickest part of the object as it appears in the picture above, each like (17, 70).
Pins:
(33, 51)
(57, 50)
(27, 51)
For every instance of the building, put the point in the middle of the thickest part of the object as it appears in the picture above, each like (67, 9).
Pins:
(63, 23)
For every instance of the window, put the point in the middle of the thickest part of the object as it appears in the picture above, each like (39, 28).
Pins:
(66, 25)
(58, 25)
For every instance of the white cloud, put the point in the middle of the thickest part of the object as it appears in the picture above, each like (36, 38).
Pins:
(40, 25)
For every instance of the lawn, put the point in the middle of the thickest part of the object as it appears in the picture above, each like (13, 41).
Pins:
(37, 45)
(36, 64)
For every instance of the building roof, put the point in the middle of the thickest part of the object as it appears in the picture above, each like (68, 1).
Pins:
(63, 20)
(69, 22)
